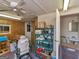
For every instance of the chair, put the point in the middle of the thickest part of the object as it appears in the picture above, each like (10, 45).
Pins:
(22, 48)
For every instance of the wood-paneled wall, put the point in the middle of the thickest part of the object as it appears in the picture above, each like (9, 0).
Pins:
(17, 28)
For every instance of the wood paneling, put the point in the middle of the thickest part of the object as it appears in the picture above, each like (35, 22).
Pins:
(17, 27)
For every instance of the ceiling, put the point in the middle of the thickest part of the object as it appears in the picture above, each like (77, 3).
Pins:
(74, 3)
(33, 8)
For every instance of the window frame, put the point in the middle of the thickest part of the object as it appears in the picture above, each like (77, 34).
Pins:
(3, 31)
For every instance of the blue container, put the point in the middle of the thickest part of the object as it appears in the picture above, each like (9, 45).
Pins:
(3, 38)
(54, 57)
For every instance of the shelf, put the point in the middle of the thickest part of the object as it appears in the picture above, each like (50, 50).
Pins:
(39, 34)
(4, 51)
(48, 49)
(47, 46)
(43, 41)
(44, 34)
(47, 34)
(43, 28)
(4, 43)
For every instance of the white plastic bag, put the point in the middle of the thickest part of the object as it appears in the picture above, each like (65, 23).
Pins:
(12, 47)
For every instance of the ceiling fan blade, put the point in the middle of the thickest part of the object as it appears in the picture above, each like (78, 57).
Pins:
(7, 3)
(20, 3)
(5, 10)
(18, 12)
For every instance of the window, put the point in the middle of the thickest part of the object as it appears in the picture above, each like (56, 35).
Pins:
(5, 29)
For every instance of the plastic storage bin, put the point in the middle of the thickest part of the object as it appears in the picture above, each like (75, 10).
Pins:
(54, 57)
(3, 38)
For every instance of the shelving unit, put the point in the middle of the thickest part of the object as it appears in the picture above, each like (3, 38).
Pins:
(4, 43)
(44, 38)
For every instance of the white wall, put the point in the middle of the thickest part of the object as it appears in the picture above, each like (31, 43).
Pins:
(65, 23)
(48, 18)
(70, 11)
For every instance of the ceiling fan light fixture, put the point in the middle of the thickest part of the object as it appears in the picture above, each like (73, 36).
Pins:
(66, 3)
(14, 9)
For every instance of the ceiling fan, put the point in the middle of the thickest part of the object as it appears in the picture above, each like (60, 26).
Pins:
(14, 7)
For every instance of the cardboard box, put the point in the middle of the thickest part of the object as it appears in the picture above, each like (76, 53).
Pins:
(41, 24)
